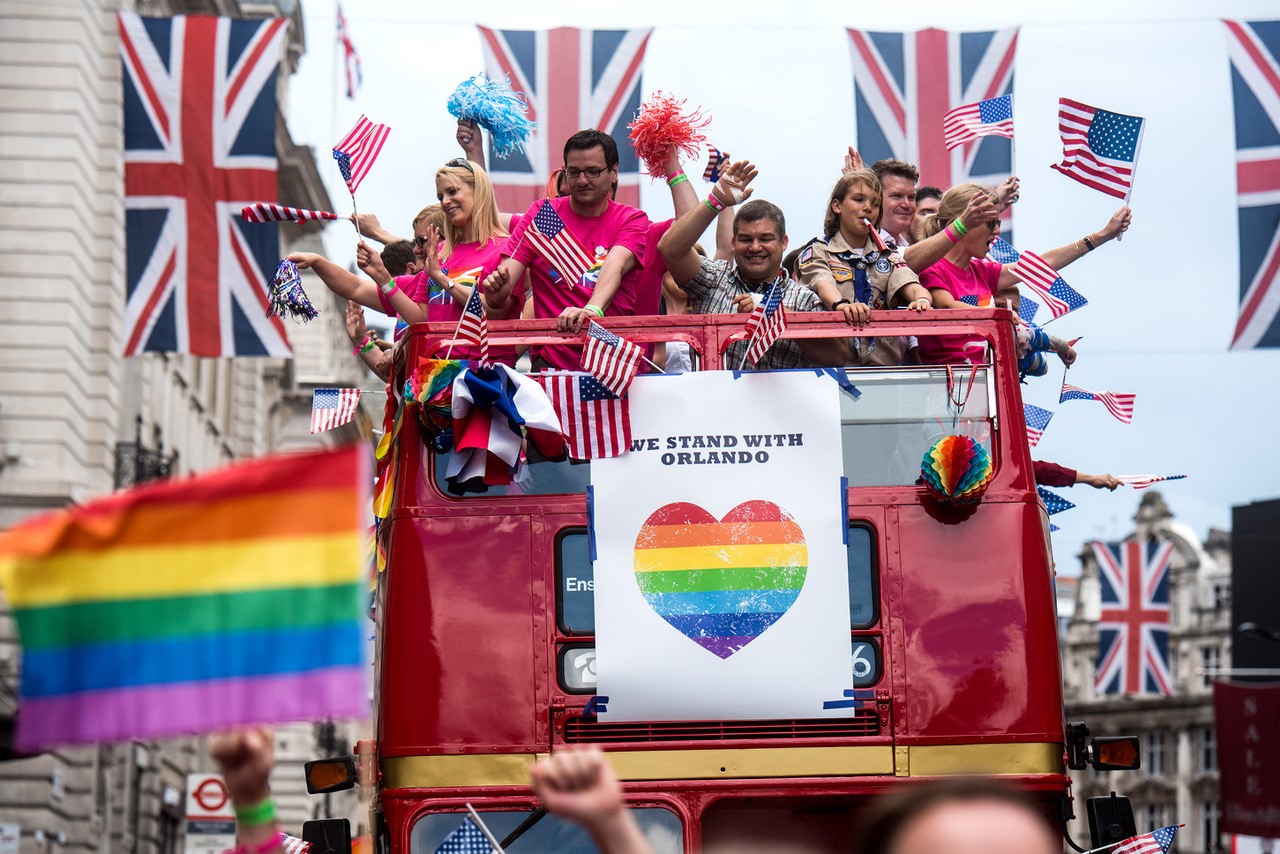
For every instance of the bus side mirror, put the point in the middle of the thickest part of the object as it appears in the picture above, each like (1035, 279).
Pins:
(328, 835)
(1116, 754)
(330, 775)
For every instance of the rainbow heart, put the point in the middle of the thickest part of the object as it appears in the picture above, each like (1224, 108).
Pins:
(721, 583)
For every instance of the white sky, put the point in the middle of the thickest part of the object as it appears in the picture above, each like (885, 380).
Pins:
(1162, 303)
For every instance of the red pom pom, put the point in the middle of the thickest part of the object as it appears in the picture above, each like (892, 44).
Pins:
(661, 126)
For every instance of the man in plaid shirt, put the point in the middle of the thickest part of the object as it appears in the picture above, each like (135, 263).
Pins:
(718, 287)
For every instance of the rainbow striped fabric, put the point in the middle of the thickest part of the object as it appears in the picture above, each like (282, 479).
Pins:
(186, 606)
(721, 582)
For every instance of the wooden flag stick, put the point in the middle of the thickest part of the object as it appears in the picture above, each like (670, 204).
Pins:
(484, 828)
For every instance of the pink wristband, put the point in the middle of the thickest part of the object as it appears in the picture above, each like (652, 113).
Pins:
(951, 234)
(714, 203)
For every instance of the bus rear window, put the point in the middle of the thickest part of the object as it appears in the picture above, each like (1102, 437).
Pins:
(902, 412)
(575, 583)
(548, 835)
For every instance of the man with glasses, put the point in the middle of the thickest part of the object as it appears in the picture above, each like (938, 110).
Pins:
(612, 234)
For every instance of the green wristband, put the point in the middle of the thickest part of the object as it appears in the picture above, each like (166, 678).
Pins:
(597, 309)
(960, 227)
(678, 179)
(257, 815)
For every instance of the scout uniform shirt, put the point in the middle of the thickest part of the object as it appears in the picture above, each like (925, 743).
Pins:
(862, 275)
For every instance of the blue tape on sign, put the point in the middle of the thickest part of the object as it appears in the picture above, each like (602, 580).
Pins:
(596, 705)
(843, 380)
(844, 510)
(854, 698)
(840, 704)
(591, 522)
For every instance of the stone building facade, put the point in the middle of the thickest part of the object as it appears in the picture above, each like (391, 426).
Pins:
(77, 420)
(1178, 780)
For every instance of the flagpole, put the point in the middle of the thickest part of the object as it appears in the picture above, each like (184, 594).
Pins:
(1142, 129)
(484, 828)
(457, 329)
(1121, 842)
(337, 81)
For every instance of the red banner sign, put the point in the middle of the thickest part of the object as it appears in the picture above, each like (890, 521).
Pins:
(1249, 757)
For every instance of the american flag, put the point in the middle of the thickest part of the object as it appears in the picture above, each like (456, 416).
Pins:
(715, 159)
(1155, 842)
(1133, 625)
(294, 845)
(571, 79)
(1099, 148)
(333, 407)
(1142, 481)
(1254, 51)
(596, 422)
(992, 117)
(199, 144)
(1118, 404)
(556, 243)
(767, 322)
(1048, 284)
(905, 83)
(467, 838)
(350, 59)
(1053, 502)
(1004, 253)
(357, 151)
(610, 359)
(264, 212)
(1037, 420)
(473, 326)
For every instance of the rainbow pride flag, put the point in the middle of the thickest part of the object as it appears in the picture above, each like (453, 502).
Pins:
(192, 605)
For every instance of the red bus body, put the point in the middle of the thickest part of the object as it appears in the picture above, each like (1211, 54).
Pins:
(468, 641)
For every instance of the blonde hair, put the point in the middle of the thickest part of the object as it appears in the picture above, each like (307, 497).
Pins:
(484, 225)
(950, 206)
(434, 213)
(831, 223)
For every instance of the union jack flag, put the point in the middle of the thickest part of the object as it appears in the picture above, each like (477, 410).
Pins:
(199, 145)
(1254, 49)
(1118, 404)
(1133, 625)
(571, 79)
(1037, 420)
(904, 85)
(350, 59)
(767, 322)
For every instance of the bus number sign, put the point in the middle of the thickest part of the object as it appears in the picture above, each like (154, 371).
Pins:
(866, 663)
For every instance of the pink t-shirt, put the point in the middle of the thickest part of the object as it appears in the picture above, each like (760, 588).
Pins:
(980, 280)
(649, 283)
(468, 264)
(619, 225)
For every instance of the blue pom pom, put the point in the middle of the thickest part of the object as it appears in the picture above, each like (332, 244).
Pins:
(496, 107)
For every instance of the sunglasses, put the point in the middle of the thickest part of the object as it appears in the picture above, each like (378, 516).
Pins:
(420, 241)
(460, 163)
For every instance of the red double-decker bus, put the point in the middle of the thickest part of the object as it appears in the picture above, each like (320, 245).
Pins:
(486, 626)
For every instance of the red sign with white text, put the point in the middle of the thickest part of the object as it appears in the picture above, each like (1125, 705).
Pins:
(1249, 756)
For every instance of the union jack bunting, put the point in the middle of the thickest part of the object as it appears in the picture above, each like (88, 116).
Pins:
(610, 359)
(1037, 420)
(1099, 147)
(1155, 842)
(1142, 481)
(1133, 625)
(333, 407)
(264, 212)
(350, 59)
(1254, 50)
(904, 85)
(1047, 283)
(571, 79)
(199, 144)
(473, 326)
(992, 117)
(358, 149)
(767, 322)
(1118, 404)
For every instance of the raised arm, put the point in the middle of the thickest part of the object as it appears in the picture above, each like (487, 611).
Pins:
(923, 255)
(340, 280)
(580, 786)
(367, 224)
(676, 246)
(683, 196)
(1074, 251)
(472, 141)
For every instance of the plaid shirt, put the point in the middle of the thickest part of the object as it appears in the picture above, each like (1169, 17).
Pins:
(713, 290)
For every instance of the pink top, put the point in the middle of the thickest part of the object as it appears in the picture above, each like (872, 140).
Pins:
(468, 264)
(980, 280)
(649, 282)
(619, 225)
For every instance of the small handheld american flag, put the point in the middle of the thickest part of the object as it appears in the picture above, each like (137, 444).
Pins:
(1099, 148)
(333, 407)
(357, 151)
(1118, 404)
(473, 326)
(1142, 481)
(767, 322)
(716, 159)
(992, 117)
(555, 242)
(610, 359)
(1047, 283)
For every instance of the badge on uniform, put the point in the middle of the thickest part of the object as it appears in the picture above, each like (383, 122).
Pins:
(841, 274)
(882, 265)
(805, 256)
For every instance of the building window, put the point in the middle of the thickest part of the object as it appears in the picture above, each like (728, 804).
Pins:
(1222, 596)
(1154, 815)
(1209, 816)
(1153, 750)
(1208, 749)
(1210, 661)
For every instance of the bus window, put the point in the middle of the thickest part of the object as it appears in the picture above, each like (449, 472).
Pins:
(902, 412)
(575, 583)
(549, 835)
(863, 612)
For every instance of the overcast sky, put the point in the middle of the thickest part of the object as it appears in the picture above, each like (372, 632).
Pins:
(776, 77)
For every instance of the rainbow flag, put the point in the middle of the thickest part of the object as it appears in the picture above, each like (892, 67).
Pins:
(188, 606)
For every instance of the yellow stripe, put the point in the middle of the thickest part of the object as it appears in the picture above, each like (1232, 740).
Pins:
(144, 573)
(512, 769)
(717, 557)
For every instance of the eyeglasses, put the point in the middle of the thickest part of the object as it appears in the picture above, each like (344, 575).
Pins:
(592, 174)
(420, 241)
(460, 163)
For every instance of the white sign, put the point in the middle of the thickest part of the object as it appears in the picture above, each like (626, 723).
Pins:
(211, 819)
(721, 586)
(10, 834)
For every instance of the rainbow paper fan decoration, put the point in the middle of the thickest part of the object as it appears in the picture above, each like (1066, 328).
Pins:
(957, 470)
(430, 385)
(664, 123)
